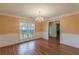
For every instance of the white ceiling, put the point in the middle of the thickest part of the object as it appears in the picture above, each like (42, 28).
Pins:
(31, 10)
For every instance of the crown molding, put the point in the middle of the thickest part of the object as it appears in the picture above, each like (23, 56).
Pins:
(6, 14)
(49, 19)
(66, 14)
(69, 14)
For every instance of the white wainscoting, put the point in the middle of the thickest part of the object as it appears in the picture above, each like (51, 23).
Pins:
(13, 38)
(41, 35)
(9, 39)
(45, 35)
(70, 39)
(38, 35)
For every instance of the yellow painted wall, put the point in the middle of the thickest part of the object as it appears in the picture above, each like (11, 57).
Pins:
(9, 24)
(70, 24)
(39, 26)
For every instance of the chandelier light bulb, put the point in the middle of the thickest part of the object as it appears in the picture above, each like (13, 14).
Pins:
(39, 18)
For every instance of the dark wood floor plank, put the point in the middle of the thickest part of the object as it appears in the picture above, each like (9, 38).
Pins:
(39, 47)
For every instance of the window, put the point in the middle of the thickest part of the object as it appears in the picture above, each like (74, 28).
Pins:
(27, 30)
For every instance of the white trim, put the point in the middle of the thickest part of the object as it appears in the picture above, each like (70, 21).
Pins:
(21, 19)
(41, 35)
(45, 35)
(6, 14)
(13, 38)
(8, 39)
(70, 39)
(69, 14)
(38, 35)
(53, 33)
(57, 18)
(53, 18)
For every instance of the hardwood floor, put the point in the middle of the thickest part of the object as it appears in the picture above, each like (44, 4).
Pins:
(39, 47)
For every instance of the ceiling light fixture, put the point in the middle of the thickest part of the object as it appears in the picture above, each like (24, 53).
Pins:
(39, 18)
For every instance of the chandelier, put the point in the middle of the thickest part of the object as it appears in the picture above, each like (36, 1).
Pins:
(39, 18)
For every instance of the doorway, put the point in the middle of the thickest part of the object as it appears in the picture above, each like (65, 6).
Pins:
(58, 30)
(54, 29)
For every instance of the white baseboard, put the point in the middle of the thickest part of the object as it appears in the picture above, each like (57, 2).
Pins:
(70, 39)
(38, 35)
(45, 35)
(9, 39)
(41, 35)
